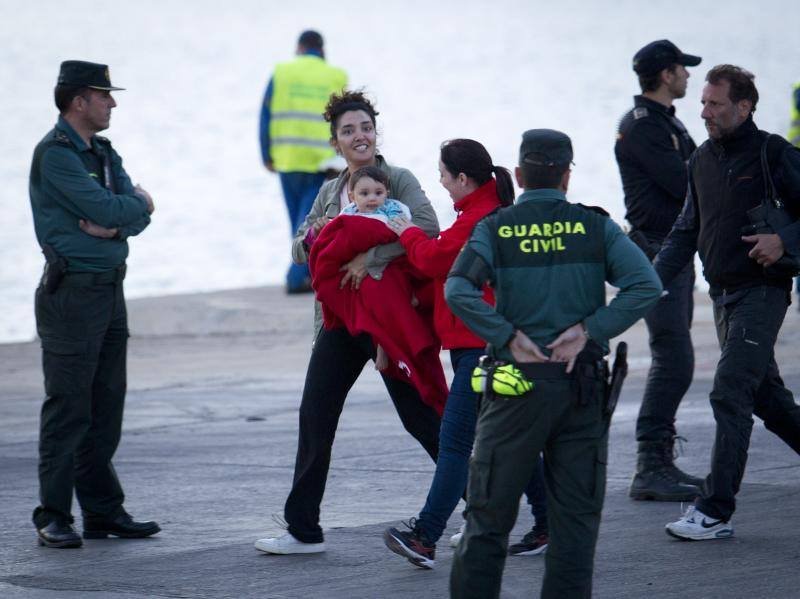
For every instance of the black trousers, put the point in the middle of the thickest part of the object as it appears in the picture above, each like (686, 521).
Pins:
(565, 421)
(84, 333)
(336, 362)
(746, 382)
(671, 370)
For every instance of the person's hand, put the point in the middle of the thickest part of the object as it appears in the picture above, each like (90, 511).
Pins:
(319, 223)
(768, 249)
(398, 224)
(524, 350)
(568, 345)
(145, 196)
(96, 230)
(269, 166)
(355, 271)
(381, 359)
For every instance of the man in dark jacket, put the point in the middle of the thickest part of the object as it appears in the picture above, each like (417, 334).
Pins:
(84, 209)
(652, 149)
(750, 298)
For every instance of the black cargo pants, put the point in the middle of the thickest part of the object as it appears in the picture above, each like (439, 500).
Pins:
(746, 382)
(565, 420)
(83, 328)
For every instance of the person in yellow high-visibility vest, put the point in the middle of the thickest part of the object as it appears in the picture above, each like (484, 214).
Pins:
(794, 128)
(295, 140)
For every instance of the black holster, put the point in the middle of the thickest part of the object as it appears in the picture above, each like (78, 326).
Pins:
(618, 373)
(55, 267)
(591, 374)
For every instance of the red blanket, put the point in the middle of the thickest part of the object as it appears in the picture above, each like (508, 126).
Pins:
(382, 308)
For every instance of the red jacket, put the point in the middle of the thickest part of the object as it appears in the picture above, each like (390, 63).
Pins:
(434, 257)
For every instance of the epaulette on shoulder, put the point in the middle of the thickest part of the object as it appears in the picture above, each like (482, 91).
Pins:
(596, 209)
(61, 137)
(640, 112)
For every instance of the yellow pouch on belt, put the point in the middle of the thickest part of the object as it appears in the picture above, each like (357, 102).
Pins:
(507, 380)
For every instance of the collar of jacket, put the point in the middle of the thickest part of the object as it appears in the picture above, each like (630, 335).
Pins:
(64, 126)
(537, 195)
(740, 137)
(486, 193)
(653, 105)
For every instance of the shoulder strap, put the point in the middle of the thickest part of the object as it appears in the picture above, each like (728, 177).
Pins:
(770, 193)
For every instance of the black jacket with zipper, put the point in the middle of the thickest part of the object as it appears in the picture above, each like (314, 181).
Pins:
(725, 181)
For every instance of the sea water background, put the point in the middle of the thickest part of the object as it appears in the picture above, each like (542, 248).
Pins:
(195, 72)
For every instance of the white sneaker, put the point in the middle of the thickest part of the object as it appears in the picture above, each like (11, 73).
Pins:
(456, 538)
(694, 525)
(287, 544)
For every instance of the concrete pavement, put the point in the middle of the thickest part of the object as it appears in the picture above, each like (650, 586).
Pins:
(208, 450)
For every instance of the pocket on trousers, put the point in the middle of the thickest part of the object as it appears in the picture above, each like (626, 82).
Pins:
(64, 347)
(480, 476)
(600, 468)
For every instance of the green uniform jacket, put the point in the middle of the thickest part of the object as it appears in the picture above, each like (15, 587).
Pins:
(404, 187)
(548, 261)
(68, 183)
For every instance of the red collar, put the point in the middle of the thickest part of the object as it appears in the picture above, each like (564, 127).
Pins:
(484, 194)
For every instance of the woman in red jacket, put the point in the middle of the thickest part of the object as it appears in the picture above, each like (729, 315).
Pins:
(477, 188)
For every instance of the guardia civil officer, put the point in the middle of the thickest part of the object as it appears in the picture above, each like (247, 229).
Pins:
(750, 290)
(652, 149)
(84, 209)
(548, 261)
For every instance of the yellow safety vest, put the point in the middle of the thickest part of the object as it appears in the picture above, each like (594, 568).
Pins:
(794, 128)
(299, 135)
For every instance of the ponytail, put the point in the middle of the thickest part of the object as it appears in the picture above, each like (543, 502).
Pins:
(505, 185)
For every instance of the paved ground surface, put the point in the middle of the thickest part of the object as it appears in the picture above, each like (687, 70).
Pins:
(209, 445)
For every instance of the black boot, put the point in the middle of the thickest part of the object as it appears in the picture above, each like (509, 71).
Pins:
(669, 456)
(654, 479)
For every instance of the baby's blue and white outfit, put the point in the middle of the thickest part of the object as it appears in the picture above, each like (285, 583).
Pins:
(390, 209)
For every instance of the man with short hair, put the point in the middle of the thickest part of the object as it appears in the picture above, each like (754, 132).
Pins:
(652, 149)
(295, 140)
(84, 209)
(548, 261)
(750, 295)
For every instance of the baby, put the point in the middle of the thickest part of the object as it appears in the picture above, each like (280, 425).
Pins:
(368, 190)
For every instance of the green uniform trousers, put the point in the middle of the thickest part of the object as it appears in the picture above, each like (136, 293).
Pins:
(564, 419)
(84, 331)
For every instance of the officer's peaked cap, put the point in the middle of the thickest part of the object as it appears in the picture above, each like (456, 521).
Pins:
(545, 147)
(86, 74)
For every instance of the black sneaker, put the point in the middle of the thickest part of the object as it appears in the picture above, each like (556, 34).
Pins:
(532, 543)
(412, 545)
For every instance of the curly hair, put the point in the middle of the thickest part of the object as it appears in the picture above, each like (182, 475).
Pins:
(346, 101)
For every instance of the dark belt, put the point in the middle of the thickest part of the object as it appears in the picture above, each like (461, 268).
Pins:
(589, 375)
(536, 371)
(589, 362)
(91, 279)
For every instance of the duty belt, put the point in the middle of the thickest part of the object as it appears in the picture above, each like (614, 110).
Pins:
(90, 279)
